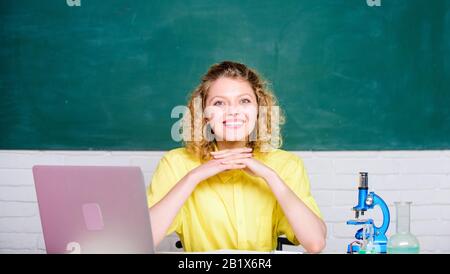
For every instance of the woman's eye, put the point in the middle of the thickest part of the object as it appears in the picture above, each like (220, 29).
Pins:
(245, 101)
(218, 103)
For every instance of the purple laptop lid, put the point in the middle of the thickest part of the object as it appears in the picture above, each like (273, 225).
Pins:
(93, 209)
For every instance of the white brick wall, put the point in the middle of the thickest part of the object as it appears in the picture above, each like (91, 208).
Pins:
(422, 177)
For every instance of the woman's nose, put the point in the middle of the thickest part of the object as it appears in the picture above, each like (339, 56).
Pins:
(233, 110)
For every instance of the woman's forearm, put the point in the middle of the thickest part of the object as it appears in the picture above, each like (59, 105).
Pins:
(164, 212)
(309, 229)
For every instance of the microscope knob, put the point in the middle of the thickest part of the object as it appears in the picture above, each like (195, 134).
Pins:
(369, 200)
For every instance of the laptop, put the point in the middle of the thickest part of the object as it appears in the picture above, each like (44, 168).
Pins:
(93, 209)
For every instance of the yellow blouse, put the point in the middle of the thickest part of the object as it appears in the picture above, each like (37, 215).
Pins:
(232, 210)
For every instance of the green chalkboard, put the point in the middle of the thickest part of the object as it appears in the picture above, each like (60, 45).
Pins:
(105, 75)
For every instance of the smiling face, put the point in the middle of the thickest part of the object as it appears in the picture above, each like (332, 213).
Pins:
(231, 109)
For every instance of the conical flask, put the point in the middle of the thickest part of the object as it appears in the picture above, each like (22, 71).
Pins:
(403, 241)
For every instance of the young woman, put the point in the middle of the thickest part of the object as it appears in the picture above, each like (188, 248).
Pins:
(230, 187)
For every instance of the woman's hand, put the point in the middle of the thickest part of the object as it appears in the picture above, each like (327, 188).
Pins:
(252, 165)
(215, 166)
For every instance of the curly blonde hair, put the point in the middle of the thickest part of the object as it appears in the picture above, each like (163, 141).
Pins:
(267, 135)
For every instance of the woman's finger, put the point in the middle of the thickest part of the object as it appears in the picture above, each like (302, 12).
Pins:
(233, 161)
(233, 155)
(231, 152)
(234, 150)
(220, 151)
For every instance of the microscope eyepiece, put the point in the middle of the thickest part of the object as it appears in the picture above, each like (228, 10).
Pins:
(363, 180)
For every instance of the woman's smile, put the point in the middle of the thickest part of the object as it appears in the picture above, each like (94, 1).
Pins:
(233, 123)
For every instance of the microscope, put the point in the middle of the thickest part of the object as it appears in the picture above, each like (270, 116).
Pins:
(370, 238)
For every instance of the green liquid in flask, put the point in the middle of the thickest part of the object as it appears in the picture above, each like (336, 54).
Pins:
(403, 242)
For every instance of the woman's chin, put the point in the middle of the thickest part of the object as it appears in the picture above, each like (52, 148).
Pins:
(232, 137)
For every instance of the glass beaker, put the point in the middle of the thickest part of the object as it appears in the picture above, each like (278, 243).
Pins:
(403, 242)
